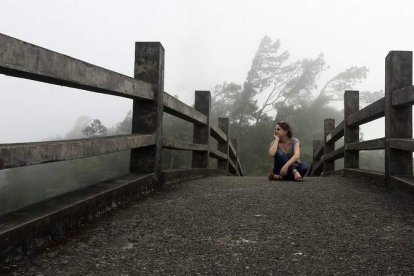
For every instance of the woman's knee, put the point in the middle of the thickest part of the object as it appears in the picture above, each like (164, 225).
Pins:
(302, 168)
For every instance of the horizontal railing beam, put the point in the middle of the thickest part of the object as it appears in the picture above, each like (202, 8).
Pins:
(403, 181)
(374, 144)
(319, 151)
(174, 144)
(369, 113)
(217, 154)
(316, 166)
(179, 109)
(232, 150)
(218, 134)
(336, 134)
(25, 154)
(403, 96)
(402, 144)
(336, 154)
(239, 166)
(24, 60)
(233, 166)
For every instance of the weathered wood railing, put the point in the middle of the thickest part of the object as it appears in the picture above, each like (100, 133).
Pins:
(24, 60)
(398, 144)
(146, 89)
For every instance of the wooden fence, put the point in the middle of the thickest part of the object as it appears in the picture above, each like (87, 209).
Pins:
(34, 226)
(146, 89)
(398, 144)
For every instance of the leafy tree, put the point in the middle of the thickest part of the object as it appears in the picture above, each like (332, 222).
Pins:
(277, 80)
(290, 90)
(367, 97)
(95, 129)
(77, 131)
(232, 101)
(274, 81)
(333, 89)
(125, 127)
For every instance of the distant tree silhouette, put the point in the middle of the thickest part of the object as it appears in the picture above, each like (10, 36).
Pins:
(95, 129)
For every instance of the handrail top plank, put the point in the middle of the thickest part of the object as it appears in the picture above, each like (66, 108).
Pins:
(26, 60)
(180, 109)
(219, 134)
(336, 133)
(367, 114)
(25, 154)
(403, 96)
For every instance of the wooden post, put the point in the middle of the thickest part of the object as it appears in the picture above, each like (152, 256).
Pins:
(201, 132)
(398, 120)
(329, 125)
(316, 144)
(223, 124)
(147, 115)
(312, 171)
(234, 142)
(351, 134)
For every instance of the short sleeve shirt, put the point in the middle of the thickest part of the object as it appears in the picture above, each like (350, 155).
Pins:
(291, 148)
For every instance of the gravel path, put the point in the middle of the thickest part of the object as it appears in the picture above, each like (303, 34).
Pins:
(250, 226)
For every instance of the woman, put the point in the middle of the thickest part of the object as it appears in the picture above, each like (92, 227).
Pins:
(286, 152)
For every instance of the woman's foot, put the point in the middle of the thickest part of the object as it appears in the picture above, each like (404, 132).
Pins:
(273, 176)
(298, 177)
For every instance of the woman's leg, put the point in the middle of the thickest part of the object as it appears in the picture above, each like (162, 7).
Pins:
(302, 168)
(299, 171)
(280, 160)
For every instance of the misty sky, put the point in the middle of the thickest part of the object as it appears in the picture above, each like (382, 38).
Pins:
(206, 43)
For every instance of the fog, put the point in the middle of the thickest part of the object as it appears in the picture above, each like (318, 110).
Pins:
(206, 43)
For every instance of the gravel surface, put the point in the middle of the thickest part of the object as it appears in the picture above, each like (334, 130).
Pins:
(248, 225)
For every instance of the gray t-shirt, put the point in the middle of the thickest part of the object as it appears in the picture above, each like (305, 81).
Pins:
(291, 148)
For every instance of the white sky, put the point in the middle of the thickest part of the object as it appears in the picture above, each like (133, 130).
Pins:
(206, 43)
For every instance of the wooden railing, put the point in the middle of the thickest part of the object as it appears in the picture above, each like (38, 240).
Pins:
(398, 144)
(146, 89)
(37, 224)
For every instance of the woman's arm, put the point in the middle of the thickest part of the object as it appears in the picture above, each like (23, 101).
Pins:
(295, 156)
(273, 146)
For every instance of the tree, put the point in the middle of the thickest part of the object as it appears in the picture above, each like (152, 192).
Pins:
(125, 127)
(274, 81)
(278, 89)
(230, 100)
(277, 80)
(77, 131)
(333, 89)
(367, 97)
(95, 129)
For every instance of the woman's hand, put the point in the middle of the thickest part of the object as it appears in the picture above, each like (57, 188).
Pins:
(274, 145)
(284, 170)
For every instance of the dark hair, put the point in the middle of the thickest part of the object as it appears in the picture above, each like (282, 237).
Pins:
(286, 127)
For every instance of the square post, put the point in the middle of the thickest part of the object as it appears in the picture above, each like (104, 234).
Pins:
(223, 124)
(316, 144)
(351, 134)
(234, 143)
(328, 126)
(147, 115)
(398, 120)
(201, 132)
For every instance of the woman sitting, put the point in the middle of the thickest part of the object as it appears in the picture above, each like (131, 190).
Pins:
(286, 152)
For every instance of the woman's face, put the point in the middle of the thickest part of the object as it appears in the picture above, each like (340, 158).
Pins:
(280, 132)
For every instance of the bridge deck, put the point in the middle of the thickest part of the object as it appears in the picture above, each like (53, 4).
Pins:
(232, 225)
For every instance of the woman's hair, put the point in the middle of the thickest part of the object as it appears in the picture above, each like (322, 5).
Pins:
(286, 127)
